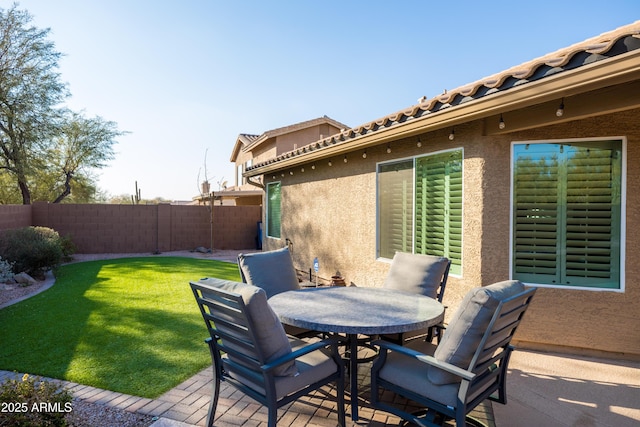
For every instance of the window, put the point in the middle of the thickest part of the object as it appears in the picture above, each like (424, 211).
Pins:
(567, 213)
(420, 207)
(273, 209)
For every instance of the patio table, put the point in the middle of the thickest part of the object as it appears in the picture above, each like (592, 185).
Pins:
(353, 311)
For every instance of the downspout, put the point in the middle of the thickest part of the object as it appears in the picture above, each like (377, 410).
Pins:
(255, 184)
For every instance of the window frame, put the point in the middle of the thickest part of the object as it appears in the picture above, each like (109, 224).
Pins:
(269, 212)
(414, 161)
(621, 226)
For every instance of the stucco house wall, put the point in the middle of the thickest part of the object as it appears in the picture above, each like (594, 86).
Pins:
(590, 90)
(330, 213)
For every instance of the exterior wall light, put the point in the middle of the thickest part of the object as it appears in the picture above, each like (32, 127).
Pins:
(501, 124)
(452, 135)
(560, 110)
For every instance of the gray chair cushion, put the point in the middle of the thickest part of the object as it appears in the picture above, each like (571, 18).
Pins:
(468, 325)
(272, 271)
(413, 375)
(416, 273)
(312, 367)
(271, 338)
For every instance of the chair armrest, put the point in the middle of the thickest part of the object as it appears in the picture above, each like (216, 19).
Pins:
(425, 358)
(299, 352)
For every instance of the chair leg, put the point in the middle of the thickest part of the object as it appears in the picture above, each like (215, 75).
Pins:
(340, 400)
(217, 375)
(273, 417)
(214, 399)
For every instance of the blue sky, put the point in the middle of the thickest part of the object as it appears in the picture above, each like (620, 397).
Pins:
(186, 77)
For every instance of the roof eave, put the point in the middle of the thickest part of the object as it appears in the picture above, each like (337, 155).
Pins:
(616, 70)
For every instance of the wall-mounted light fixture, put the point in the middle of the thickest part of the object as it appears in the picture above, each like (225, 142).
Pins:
(389, 148)
(290, 172)
(330, 163)
(302, 169)
(419, 143)
(452, 135)
(364, 154)
(560, 110)
(313, 166)
(345, 158)
(501, 123)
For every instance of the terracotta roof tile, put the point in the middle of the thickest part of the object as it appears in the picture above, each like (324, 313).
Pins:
(621, 40)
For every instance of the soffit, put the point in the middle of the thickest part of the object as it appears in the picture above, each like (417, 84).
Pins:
(608, 59)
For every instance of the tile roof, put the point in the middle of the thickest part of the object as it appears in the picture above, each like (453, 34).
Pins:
(604, 46)
(294, 127)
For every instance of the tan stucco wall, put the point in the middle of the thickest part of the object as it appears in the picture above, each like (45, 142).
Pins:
(330, 213)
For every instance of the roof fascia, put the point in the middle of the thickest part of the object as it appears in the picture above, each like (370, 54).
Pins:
(236, 150)
(617, 70)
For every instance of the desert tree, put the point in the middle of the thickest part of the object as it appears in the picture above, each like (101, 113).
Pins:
(46, 150)
(30, 95)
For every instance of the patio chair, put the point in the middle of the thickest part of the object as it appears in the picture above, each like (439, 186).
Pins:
(468, 366)
(251, 351)
(274, 272)
(418, 274)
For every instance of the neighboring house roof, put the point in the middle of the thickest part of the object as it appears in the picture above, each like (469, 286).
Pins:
(248, 142)
(293, 128)
(475, 100)
(243, 140)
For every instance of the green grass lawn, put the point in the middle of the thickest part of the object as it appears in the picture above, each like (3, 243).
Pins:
(129, 325)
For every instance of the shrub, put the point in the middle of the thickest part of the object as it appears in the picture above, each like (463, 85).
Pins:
(31, 249)
(33, 402)
(6, 270)
(68, 248)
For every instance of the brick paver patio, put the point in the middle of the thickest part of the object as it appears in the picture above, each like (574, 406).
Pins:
(188, 403)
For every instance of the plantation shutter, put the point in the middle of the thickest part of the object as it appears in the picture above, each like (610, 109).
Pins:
(395, 208)
(438, 225)
(273, 209)
(567, 213)
(536, 226)
(592, 216)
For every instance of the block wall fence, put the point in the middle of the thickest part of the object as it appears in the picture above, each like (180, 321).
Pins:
(97, 228)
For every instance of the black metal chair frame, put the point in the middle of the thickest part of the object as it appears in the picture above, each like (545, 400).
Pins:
(486, 374)
(232, 332)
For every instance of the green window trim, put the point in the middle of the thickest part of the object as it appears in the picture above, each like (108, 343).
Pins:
(567, 218)
(420, 206)
(274, 213)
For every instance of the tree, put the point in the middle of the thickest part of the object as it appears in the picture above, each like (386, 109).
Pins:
(30, 91)
(46, 151)
(82, 145)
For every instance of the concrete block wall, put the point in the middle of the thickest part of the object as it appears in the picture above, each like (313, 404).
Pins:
(236, 226)
(139, 228)
(15, 216)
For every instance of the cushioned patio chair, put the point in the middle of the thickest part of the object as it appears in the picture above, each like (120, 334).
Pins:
(274, 272)
(419, 274)
(468, 366)
(251, 351)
